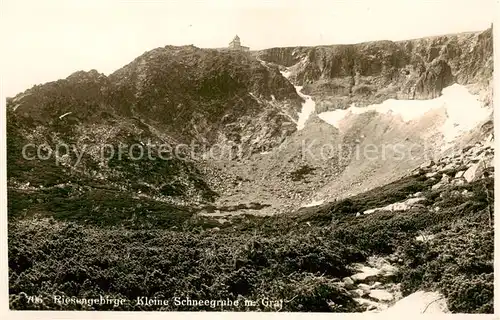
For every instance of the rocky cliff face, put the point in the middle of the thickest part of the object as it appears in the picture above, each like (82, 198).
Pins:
(366, 73)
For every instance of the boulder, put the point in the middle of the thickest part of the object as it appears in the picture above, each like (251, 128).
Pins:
(467, 193)
(358, 293)
(455, 193)
(448, 167)
(473, 173)
(488, 152)
(437, 186)
(366, 274)
(381, 295)
(445, 179)
(348, 283)
(458, 182)
(459, 174)
(364, 287)
(430, 174)
(425, 238)
(388, 270)
(466, 149)
(427, 164)
(370, 305)
(458, 161)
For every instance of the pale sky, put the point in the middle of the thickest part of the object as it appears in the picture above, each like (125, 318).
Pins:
(45, 40)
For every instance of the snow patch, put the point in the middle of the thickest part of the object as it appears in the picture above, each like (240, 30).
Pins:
(286, 73)
(308, 106)
(425, 238)
(64, 115)
(313, 203)
(463, 109)
(333, 117)
(420, 302)
(370, 211)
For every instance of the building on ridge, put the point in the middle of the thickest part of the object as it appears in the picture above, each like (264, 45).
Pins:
(236, 45)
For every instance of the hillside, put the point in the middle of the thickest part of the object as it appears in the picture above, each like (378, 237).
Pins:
(175, 97)
(342, 178)
(386, 96)
(360, 254)
(184, 92)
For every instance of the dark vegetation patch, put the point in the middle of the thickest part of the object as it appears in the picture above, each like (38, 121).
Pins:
(154, 172)
(97, 206)
(459, 263)
(301, 173)
(49, 257)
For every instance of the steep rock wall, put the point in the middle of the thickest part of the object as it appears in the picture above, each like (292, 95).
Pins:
(366, 73)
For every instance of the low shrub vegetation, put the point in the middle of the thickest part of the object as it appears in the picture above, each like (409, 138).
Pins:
(92, 243)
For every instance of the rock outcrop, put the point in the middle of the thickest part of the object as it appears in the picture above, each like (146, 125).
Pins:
(190, 94)
(466, 165)
(372, 285)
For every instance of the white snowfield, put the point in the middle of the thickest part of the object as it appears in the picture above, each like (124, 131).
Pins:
(313, 203)
(307, 107)
(419, 302)
(464, 110)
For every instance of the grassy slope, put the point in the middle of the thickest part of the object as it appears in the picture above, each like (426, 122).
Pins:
(297, 257)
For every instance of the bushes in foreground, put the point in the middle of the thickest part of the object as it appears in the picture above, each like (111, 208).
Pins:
(298, 258)
(47, 256)
(459, 263)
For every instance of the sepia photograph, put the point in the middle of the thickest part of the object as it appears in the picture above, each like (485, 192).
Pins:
(248, 156)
